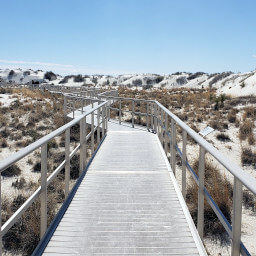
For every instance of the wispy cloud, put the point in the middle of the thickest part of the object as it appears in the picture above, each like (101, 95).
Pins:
(60, 68)
(254, 56)
(35, 63)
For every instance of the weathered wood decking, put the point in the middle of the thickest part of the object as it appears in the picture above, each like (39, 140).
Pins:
(127, 204)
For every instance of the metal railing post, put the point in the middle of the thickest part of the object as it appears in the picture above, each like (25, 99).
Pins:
(201, 175)
(92, 132)
(65, 106)
(173, 145)
(85, 141)
(147, 117)
(120, 112)
(161, 127)
(43, 196)
(82, 151)
(1, 237)
(155, 118)
(106, 118)
(166, 133)
(237, 217)
(184, 158)
(132, 113)
(103, 121)
(67, 164)
(152, 119)
(98, 126)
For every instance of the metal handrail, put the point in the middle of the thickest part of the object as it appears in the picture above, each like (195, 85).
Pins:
(100, 123)
(161, 116)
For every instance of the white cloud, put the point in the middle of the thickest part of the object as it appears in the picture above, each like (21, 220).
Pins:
(36, 63)
(254, 56)
(59, 68)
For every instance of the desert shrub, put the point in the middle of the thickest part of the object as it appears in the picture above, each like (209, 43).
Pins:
(37, 167)
(251, 139)
(78, 79)
(50, 76)
(246, 129)
(218, 77)
(11, 74)
(74, 167)
(248, 157)
(249, 200)
(26, 73)
(195, 75)
(3, 143)
(5, 133)
(11, 171)
(249, 112)
(221, 191)
(58, 120)
(223, 137)
(23, 143)
(232, 116)
(181, 80)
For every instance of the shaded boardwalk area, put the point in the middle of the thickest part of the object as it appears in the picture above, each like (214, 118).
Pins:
(127, 204)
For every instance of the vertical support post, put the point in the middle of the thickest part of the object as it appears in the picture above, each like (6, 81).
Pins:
(82, 139)
(237, 217)
(155, 117)
(162, 127)
(166, 133)
(132, 113)
(65, 106)
(105, 116)
(184, 158)
(92, 132)
(82, 105)
(43, 196)
(85, 141)
(173, 144)
(1, 237)
(73, 109)
(67, 159)
(104, 120)
(98, 126)
(120, 111)
(147, 117)
(152, 119)
(201, 174)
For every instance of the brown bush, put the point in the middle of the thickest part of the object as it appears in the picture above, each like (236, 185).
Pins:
(220, 190)
(246, 129)
(248, 157)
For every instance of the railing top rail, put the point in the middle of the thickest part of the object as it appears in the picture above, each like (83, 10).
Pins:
(35, 145)
(133, 99)
(238, 172)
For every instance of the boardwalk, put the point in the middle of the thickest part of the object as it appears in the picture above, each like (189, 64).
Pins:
(127, 204)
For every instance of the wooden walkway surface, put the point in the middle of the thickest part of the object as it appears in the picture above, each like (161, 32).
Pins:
(127, 204)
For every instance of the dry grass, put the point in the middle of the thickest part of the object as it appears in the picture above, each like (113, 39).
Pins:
(221, 191)
(246, 129)
(248, 157)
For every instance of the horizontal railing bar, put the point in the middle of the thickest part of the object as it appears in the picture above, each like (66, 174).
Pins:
(211, 202)
(132, 99)
(35, 145)
(245, 178)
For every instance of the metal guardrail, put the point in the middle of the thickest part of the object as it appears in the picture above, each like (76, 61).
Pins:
(159, 118)
(164, 123)
(100, 124)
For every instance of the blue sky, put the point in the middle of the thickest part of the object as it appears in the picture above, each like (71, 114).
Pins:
(128, 36)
